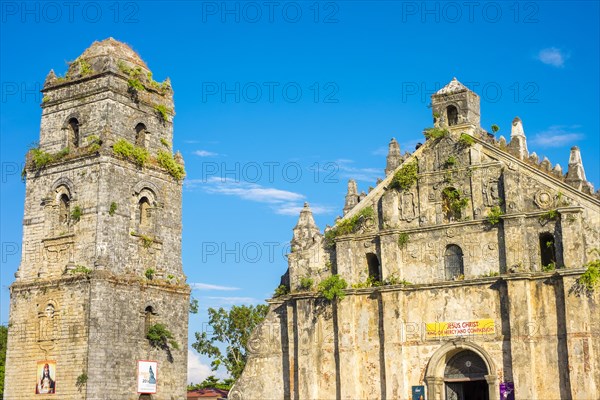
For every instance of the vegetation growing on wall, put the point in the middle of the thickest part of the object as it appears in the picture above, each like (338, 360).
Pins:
(403, 239)
(281, 290)
(348, 226)
(76, 214)
(41, 159)
(450, 162)
(160, 337)
(551, 215)
(405, 177)
(81, 381)
(163, 112)
(80, 269)
(149, 273)
(129, 151)
(306, 283)
(333, 287)
(549, 267)
(590, 279)
(112, 209)
(166, 160)
(373, 282)
(435, 133)
(455, 203)
(494, 216)
(466, 140)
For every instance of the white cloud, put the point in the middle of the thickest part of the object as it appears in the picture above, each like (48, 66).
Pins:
(552, 56)
(360, 174)
(205, 153)
(253, 192)
(558, 136)
(282, 202)
(197, 370)
(208, 286)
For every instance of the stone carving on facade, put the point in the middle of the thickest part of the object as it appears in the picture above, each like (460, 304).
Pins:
(48, 327)
(408, 207)
(543, 199)
(491, 193)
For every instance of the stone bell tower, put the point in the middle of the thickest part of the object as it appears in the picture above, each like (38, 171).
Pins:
(101, 259)
(456, 108)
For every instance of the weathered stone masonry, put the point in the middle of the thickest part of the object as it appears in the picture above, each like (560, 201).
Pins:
(520, 272)
(97, 226)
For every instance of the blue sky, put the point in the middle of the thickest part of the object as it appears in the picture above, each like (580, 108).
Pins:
(289, 100)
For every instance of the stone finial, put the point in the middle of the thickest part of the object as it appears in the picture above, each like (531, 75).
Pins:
(575, 172)
(502, 142)
(546, 165)
(393, 158)
(557, 170)
(351, 196)
(518, 141)
(517, 128)
(305, 231)
(533, 158)
(50, 78)
(362, 195)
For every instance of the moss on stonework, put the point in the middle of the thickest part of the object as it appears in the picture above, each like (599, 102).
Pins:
(166, 160)
(405, 177)
(129, 151)
(348, 226)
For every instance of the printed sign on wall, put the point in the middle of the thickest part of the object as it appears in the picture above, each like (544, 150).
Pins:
(418, 393)
(147, 374)
(460, 328)
(46, 377)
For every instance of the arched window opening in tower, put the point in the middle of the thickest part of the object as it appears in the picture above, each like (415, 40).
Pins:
(73, 128)
(64, 209)
(140, 135)
(148, 314)
(453, 260)
(452, 113)
(145, 212)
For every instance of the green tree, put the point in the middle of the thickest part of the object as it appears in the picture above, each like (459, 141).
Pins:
(3, 339)
(232, 328)
(212, 382)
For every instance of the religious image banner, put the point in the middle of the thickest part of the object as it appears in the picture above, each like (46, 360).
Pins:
(146, 376)
(45, 377)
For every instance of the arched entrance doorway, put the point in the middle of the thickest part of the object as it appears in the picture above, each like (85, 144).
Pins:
(464, 377)
(461, 370)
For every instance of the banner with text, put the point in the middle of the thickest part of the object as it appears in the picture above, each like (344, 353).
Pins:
(460, 328)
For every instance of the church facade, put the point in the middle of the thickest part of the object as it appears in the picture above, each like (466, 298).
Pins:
(467, 272)
(99, 306)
